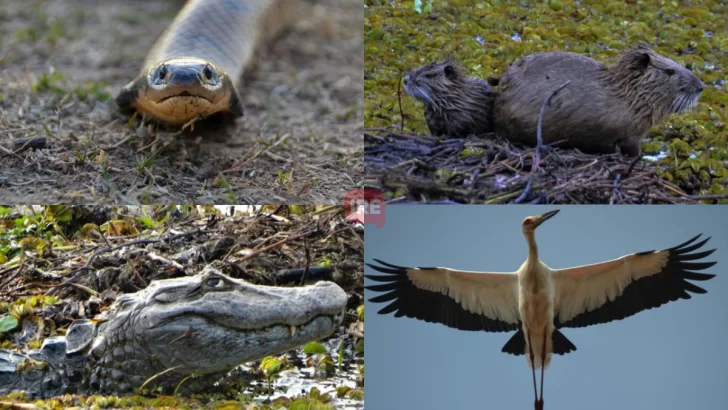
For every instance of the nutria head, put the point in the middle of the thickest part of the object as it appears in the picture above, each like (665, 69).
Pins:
(653, 85)
(434, 83)
(455, 103)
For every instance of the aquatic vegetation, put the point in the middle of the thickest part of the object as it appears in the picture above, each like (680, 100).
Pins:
(691, 148)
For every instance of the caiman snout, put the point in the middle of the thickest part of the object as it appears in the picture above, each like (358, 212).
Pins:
(321, 299)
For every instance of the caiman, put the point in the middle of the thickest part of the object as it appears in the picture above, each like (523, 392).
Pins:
(178, 335)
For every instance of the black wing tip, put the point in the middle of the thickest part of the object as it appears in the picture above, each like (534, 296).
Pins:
(385, 264)
(706, 276)
(686, 243)
(388, 268)
(689, 245)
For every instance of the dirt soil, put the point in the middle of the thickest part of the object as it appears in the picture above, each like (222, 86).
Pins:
(87, 272)
(63, 140)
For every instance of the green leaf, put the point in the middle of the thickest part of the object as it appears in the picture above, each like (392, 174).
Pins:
(146, 221)
(7, 323)
(313, 348)
(360, 312)
(270, 365)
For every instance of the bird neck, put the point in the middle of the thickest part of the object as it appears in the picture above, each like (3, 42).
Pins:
(533, 272)
(532, 248)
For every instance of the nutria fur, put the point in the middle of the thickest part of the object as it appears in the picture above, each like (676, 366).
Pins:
(601, 108)
(455, 104)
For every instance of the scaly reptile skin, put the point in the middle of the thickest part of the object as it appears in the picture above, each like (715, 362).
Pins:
(203, 325)
(195, 68)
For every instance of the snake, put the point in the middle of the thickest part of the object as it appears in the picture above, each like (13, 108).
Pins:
(195, 68)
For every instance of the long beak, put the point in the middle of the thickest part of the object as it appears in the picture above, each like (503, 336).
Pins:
(544, 217)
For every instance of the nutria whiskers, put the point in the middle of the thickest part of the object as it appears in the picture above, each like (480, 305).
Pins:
(455, 104)
(603, 108)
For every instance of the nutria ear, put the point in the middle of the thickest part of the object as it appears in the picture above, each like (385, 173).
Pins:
(449, 70)
(642, 59)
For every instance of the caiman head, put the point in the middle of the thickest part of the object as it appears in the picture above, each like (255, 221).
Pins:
(206, 325)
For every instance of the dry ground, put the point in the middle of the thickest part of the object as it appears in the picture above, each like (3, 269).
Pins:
(300, 140)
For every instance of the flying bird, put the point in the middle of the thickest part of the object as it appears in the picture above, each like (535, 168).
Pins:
(536, 300)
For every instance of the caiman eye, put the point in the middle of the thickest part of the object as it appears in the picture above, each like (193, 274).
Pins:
(215, 282)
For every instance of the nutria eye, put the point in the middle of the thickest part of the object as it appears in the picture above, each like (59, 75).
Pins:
(669, 71)
(449, 70)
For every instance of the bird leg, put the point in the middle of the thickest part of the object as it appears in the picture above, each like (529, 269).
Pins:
(543, 365)
(533, 370)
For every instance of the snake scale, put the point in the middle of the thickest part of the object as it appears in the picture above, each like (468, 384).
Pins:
(194, 69)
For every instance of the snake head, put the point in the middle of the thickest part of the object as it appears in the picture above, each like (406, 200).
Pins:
(186, 73)
(180, 90)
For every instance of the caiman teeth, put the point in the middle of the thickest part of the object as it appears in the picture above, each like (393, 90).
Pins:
(293, 331)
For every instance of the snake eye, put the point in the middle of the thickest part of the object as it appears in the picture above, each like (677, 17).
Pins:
(208, 72)
(162, 72)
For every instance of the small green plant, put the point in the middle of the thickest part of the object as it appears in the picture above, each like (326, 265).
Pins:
(49, 82)
(271, 367)
(144, 162)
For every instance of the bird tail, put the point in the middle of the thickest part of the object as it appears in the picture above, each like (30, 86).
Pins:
(562, 345)
(516, 345)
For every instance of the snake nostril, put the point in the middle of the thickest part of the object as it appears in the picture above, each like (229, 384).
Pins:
(208, 72)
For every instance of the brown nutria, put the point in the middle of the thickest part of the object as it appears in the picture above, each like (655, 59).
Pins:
(602, 108)
(455, 104)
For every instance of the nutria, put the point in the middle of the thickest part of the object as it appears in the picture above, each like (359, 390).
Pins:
(455, 104)
(602, 108)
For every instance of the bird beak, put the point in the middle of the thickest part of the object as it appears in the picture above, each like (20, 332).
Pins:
(544, 217)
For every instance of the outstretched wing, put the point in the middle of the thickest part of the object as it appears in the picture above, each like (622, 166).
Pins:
(457, 299)
(613, 290)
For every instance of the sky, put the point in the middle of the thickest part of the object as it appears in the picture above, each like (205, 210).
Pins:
(673, 357)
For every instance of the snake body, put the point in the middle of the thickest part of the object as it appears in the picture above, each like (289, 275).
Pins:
(194, 69)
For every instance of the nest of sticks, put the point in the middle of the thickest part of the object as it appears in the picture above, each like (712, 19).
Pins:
(488, 169)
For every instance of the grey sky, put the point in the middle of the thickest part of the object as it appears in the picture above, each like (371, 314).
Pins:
(673, 357)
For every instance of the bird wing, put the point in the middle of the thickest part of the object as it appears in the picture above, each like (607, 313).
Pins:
(458, 299)
(616, 289)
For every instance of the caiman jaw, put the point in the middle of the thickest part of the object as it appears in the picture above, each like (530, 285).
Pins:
(208, 324)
